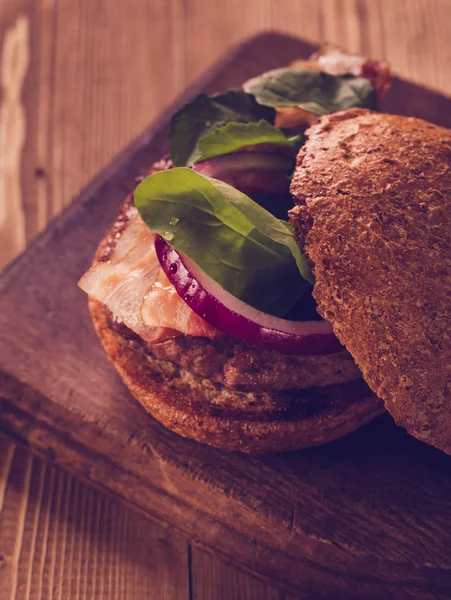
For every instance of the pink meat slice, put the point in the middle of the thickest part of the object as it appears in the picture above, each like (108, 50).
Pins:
(135, 289)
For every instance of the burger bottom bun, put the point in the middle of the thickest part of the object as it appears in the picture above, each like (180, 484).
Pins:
(208, 412)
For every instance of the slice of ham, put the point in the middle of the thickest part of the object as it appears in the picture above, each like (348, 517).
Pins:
(132, 285)
(331, 59)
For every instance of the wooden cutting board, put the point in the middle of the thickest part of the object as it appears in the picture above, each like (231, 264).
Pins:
(366, 517)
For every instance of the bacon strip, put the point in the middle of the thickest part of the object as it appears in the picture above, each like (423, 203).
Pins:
(134, 287)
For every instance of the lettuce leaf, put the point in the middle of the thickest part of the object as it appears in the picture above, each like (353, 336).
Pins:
(233, 136)
(314, 91)
(207, 113)
(230, 237)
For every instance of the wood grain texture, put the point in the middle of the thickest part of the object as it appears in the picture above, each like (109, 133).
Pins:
(14, 62)
(86, 61)
(343, 520)
(62, 539)
(213, 579)
(59, 538)
(92, 84)
(100, 70)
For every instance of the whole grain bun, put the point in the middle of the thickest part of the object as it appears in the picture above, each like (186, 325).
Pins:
(374, 216)
(211, 409)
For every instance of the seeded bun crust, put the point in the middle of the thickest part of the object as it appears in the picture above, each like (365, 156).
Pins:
(257, 420)
(374, 215)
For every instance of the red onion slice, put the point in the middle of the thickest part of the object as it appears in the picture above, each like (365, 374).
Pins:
(250, 171)
(236, 318)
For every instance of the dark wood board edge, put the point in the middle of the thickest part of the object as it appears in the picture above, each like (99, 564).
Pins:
(25, 425)
(164, 494)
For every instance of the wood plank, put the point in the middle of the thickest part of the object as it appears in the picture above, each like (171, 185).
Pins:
(412, 34)
(61, 539)
(322, 521)
(12, 522)
(212, 578)
(116, 576)
(76, 97)
(14, 62)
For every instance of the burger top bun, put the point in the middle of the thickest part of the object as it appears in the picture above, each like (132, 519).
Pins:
(373, 195)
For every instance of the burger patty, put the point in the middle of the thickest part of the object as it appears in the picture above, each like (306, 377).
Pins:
(226, 360)
(242, 367)
(251, 421)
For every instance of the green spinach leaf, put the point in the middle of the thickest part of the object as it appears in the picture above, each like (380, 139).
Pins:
(233, 136)
(207, 113)
(314, 91)
(230, 237)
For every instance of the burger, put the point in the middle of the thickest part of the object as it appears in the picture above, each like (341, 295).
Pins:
(250, 318)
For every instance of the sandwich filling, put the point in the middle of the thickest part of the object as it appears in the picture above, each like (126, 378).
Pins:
(224, 359)
(202, 266)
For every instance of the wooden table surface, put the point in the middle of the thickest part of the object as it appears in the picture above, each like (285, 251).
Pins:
(79, 79)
